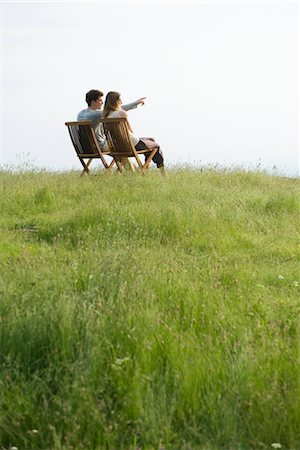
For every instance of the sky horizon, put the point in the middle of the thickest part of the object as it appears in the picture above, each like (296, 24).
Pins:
(221, 79)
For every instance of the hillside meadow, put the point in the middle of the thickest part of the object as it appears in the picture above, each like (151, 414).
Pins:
(149, 312)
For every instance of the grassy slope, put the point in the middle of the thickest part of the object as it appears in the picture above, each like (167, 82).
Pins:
(149, 312)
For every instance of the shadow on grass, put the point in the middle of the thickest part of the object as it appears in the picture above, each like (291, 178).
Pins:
(103, 226)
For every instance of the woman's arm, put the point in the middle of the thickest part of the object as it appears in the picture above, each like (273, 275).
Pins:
(133, 105)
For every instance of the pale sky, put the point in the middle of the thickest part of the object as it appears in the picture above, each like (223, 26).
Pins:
(221, 78)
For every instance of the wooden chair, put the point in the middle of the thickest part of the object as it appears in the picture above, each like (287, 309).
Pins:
(86, 145)
(120, 145)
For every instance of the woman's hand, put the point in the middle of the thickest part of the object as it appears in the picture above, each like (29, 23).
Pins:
(141, 101)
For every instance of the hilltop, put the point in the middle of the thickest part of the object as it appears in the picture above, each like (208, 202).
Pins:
(149, 312)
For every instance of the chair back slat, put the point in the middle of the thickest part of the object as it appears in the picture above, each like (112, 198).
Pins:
(117, 136)
(83, 138)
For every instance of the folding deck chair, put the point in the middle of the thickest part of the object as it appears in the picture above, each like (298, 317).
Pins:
(120, 145)
(86, 145)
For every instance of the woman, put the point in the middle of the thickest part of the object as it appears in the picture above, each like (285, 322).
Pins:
(113, 109)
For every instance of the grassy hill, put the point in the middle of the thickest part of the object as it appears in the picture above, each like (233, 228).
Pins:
(149, 312)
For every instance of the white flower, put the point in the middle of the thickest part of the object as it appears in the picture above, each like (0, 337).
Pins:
(280, 277)
(276, 445)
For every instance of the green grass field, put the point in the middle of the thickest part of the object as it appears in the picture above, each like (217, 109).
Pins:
(149, 312)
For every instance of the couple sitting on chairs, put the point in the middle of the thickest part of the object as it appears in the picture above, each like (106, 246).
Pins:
(113, 109)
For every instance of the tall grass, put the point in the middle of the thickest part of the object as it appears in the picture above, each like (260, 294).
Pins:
(149, 312)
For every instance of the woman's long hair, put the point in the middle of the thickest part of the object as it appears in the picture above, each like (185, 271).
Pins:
(111, 103)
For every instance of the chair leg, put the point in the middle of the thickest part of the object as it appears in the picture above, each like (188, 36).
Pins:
(85, 166)
(110, 166)
(104, 162)
(139, 162)
(120, 166)
(128, 165)
(148, 160)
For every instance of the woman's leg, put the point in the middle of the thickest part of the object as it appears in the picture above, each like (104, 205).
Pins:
(158, 158)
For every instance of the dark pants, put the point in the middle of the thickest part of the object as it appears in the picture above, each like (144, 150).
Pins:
(158, 158)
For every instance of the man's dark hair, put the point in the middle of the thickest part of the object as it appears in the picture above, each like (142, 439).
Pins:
(93, 95)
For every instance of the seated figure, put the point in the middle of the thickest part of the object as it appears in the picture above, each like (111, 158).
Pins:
(113, 109)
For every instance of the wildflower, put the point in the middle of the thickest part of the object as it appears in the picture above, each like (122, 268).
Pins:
(280, 277)
(35, 431)
(120, 361)
(276, 445)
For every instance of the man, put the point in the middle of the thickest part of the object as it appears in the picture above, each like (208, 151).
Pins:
(94, 113)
